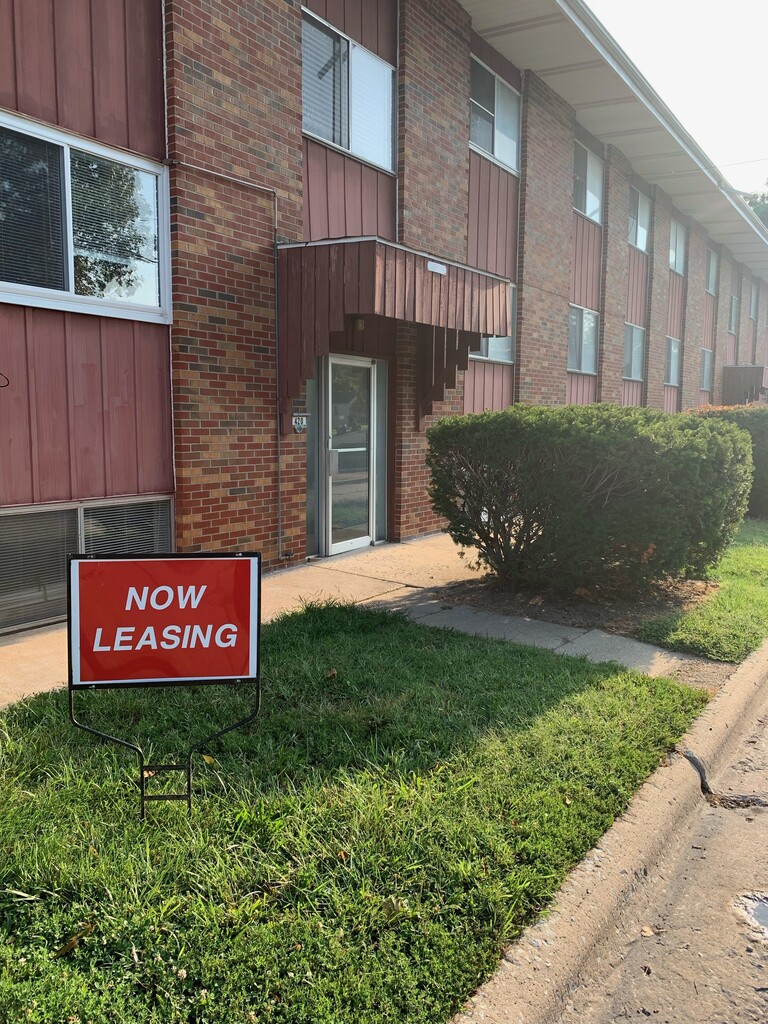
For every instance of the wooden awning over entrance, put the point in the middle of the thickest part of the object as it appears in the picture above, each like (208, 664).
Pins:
(322, 284)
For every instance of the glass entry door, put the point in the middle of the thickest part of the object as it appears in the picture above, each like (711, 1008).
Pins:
(350, 457)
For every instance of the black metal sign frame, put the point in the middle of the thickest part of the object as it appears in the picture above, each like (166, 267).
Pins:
(146, 770)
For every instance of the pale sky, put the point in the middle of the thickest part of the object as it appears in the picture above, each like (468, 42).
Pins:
(710, 66)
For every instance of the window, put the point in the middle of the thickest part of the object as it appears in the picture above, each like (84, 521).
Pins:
(754, 299)
(347, 94)
(494, 116)
(677, 247)
(733, 315)
(706, 369)
(587, 182)
(634, 352)
(672, 363)
(34, 545)
(500, 350)
(582, 340)
(639, 219)
(713, 265)
(82, 227)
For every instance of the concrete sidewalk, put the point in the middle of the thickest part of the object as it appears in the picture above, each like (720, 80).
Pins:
(406, 577)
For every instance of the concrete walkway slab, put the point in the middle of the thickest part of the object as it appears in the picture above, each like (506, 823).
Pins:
(405, 577)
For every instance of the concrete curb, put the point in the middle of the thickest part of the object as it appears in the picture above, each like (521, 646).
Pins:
(539, 972)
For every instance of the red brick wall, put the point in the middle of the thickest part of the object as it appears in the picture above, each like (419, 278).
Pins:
(721, 323)
(234, 93)
(696, 270)
(546, 223)
(411, 513)
(658, 286)
(615, 272)
(433, 136)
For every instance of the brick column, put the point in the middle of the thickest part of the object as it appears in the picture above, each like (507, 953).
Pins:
(613, 308)
(696, 271)
(658, 289)
(433, 195)
(546, 226)
(721, 324)
(234, 90)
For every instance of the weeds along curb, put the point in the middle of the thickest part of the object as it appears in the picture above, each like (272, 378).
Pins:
(548, 962)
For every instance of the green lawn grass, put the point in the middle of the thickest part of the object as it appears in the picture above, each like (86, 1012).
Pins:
(733, 622)
(410, 799)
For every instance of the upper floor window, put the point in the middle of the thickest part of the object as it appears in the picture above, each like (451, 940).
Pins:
(639, 219)
(494, 116)
(672, 363)
(500, 350)
(82, 227)
(587, 182)
(706, 369)
(634, 352)
(734, 311)
(677, 247)
(347, 94)
(583, 327)
(713, 262)
(754, 299)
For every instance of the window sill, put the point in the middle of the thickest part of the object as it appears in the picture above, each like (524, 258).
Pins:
(496, 362)
(634, 380)
(586, 216)
(637, 248)
(20, 295)
(348, 153)
(583, 373)
(515, 171)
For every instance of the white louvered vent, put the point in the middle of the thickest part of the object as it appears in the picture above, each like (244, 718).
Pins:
(33, 565)
(34, 548)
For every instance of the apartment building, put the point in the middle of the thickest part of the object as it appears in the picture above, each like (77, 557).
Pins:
(250, 250)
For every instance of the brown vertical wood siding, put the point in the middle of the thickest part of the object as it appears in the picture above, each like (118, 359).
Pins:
(705, 397)
(492, 227)
(710, 320)
(676, 305)
(581, 389)
(95, 68)
(87, 413)
(372, 23)
(345, 198)
(637, 288)
(585, 262)
(671, 399)
(632, 391)
(488, 386)
(730, 349)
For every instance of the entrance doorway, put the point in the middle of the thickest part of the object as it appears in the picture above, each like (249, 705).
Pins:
(350, 478)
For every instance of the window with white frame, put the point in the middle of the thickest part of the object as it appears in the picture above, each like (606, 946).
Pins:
(754, 300)
(706, 369)
(733, 315)
(494, 116)
(713, 265)
(82, 227)
(583, 329)
(677, 247)
(639, 219)
(587, 182)
(500, 350)
(347, 94)
(634, 352)
(672, 363)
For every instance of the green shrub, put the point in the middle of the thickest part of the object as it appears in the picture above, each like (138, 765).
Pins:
(753, 419)
(580, 495)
